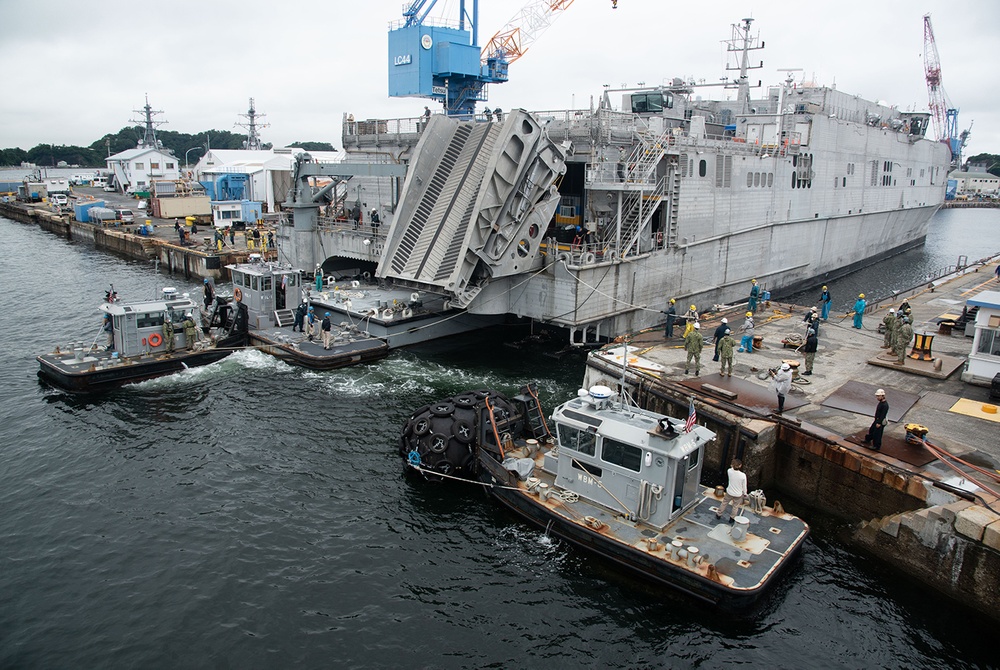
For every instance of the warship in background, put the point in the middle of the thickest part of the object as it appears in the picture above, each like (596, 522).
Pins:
(591, 219)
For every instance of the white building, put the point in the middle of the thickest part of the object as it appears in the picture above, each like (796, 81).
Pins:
(984, 359)
(982, 183)
(269, 170)
(135, 169)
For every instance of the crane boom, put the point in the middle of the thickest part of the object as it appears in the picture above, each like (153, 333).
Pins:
(944, 114)
(516, 37)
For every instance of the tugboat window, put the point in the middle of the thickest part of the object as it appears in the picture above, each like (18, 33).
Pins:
(619, 453)
(577, 440)
(154, 320)
(693, 459)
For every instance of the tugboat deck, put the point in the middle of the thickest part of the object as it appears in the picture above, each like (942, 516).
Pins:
(742, 566)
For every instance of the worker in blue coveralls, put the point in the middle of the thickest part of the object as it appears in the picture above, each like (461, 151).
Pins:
(859, 310)
(825, 299)
(754, 294)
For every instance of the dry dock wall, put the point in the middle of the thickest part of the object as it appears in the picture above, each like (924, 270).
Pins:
(954, 548)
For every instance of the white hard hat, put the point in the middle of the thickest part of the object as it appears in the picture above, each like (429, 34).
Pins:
(786, 366)
(725, 320)
(880, 392)
(697, 325)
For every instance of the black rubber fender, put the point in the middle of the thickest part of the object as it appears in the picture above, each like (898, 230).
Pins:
(443, 409)
(438, 443)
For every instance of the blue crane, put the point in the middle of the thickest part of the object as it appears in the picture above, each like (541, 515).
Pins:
(442, 60)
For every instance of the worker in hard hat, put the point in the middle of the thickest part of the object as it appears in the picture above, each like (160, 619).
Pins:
(754, 294)
(692, 317)
(859, 310)
(692, 345)
(671, 317)
(720, 332)
(825, 299)
(746, 344)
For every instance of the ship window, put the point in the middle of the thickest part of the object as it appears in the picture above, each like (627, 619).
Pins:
(576, 439)
(154, 320)
(749, 179)
(702, 168)
(265, 283)
(795, 179)
(756, 179)
(693, 458)
(619, 453)
(770, 179)
(845, 182)
(254, 286)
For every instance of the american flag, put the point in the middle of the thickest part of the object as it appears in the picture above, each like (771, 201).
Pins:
(692, 416)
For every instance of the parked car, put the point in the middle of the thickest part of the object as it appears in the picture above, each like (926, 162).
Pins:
(59, 200)
(109, 188)
(125, 215)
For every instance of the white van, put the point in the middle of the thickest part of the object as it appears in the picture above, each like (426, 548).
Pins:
(59, 200)
(99, 182)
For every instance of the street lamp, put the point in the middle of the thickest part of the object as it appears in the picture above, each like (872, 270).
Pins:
(186, 164)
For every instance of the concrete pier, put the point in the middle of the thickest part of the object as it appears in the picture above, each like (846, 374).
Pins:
(197, 260)
(908, 507)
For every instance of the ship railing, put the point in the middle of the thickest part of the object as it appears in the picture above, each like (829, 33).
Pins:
(609, 173)
(963, 265)
(364, 230)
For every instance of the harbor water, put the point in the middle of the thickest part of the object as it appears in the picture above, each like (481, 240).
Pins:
(250, 514)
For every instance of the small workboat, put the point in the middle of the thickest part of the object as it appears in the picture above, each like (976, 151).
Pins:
(611, 478)
(139, 340)
(270, 292)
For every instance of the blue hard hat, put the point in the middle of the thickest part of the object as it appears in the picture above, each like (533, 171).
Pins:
(327, 314)
(310, 309)
(206, 280)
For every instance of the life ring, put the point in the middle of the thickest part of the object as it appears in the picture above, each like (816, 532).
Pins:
(238, 294)
(155, 340)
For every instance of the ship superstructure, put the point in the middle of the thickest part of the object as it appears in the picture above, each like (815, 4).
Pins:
(591, 219)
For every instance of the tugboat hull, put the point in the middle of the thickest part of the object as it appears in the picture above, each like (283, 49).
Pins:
(99, 372)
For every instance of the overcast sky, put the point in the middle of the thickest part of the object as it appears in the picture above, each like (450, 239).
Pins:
(74, 70)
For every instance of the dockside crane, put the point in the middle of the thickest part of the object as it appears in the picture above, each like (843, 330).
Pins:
(944, 113)
(429, 58)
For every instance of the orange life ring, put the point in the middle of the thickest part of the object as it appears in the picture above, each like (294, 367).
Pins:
(238, 294)
(155, 340)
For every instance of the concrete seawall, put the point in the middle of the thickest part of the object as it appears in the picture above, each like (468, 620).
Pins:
(191, 262)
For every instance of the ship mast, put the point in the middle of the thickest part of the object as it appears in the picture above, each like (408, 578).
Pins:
(252, 142)
(148, 140)
(742, 43)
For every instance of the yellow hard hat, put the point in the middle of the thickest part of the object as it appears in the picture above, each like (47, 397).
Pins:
(753, 281)
(861, 295)
(824, 287)
(749, 313)
(694, 307)
(672, 301)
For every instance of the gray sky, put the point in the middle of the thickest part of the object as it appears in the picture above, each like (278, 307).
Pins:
(75, 70)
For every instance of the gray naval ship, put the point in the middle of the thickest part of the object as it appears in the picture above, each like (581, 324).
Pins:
(591, 219)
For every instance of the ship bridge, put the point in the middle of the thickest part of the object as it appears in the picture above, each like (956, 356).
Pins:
(475, 205)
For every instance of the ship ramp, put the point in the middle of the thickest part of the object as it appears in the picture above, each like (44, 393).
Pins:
(477, 200)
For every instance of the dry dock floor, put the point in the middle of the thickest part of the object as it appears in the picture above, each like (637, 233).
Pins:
(838, 400)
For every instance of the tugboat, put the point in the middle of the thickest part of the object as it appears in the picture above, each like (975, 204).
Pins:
(271, 292)
(144, 340)
(611, 478)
